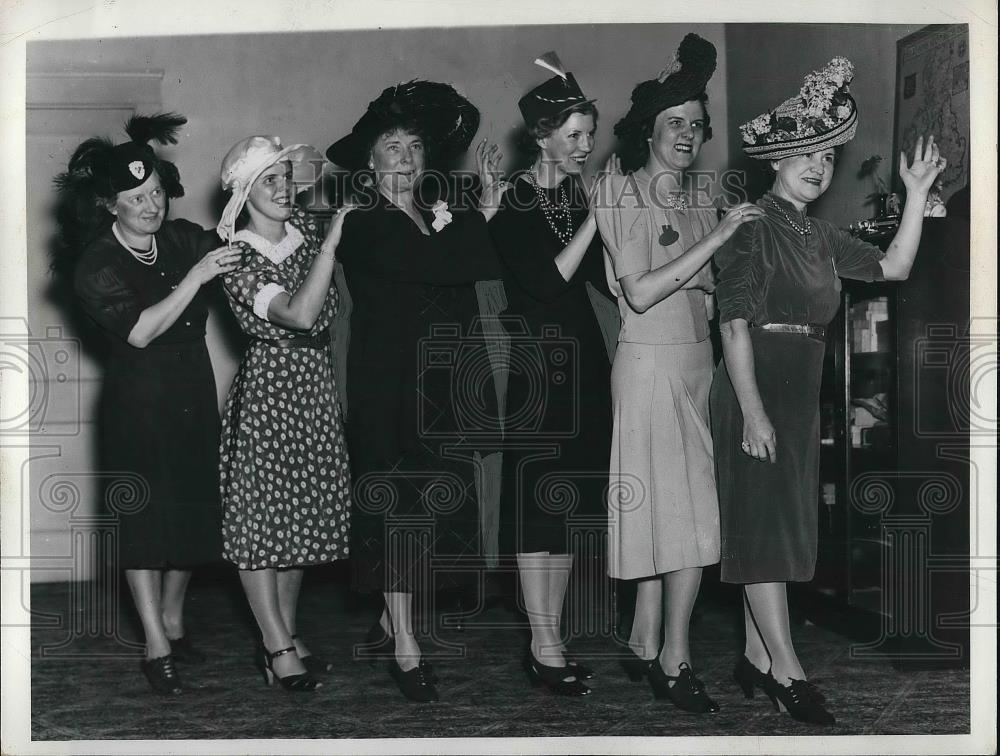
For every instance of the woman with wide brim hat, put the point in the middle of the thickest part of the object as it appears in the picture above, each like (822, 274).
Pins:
(141, 279)
(410, 263)
(558, 418)
(778, 288)
(663, 513)
(284, 468)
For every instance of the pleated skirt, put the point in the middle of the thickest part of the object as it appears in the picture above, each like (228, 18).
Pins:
(663, 513)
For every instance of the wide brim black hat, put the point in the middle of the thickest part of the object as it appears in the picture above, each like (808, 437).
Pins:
(446, 119)
(684, 79)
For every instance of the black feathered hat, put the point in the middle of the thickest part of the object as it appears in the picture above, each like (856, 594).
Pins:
(445, 118)
(683, 79)
(552, 96)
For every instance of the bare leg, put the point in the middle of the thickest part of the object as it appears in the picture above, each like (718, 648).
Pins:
(533, 570)
(289, 584)
(559, 569)
(769, 604)
(755, 651)
(644, 639)
(681, 587)
(261, 588)
(147, 593)
(175, 584)
(400, 610)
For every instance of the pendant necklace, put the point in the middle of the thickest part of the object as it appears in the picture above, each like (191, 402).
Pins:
(555, 215)
(146, 258)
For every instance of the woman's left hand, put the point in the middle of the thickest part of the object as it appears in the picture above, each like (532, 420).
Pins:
(488, 157)
(919, 176)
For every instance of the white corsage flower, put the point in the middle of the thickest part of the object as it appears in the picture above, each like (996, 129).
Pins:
(441, 215)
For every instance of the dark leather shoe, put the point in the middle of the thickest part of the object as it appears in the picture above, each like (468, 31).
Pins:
(185, 652)
(162, 675)
(687, 692)
(414, 684)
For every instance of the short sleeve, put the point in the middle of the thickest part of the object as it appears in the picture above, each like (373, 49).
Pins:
(108, 298)
(624, 227)
(254, 286)
(854, 258)
(741, 283)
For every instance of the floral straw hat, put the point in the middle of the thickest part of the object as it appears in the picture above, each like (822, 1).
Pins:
(249, 158)
(823, 115)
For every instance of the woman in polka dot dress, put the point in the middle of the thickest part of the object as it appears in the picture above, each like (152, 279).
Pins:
(284, 468)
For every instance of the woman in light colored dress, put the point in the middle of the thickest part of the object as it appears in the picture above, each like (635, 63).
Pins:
(663, 512)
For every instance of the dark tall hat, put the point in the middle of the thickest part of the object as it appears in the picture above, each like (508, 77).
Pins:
(447, 120)
(553, 96)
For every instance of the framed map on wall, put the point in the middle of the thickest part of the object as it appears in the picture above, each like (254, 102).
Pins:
(932, 97)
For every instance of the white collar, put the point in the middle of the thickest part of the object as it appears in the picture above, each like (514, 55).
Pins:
(276, 253)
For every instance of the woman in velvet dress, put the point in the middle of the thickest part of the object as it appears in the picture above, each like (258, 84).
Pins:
(557, 426)
(141, 279)
(409, 266)
(778, 288)
(663, 512)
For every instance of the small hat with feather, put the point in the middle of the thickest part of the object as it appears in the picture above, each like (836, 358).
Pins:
(552, 96)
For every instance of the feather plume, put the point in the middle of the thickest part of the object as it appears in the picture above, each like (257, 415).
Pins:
(551, 62)
(160, 126)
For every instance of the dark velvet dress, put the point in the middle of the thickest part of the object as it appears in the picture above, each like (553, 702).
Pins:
(557, 427)
(158, 419)
(412, 424)
(769, 273)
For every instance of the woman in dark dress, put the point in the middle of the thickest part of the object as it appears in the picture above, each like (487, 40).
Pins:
(557, 429)
(283, 466)
(778, 288)
(140, 278)
(410, 266)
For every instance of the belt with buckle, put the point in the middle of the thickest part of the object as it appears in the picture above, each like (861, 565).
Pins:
(812, 331)
(319, 341)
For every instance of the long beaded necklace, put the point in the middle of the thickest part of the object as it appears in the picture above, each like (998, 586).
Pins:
(146, 258)
(555, 214)
(802, 230)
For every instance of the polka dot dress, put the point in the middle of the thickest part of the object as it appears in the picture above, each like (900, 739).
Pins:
(283, 464)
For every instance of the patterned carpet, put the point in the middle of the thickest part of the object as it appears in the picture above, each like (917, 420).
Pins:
(86, 685)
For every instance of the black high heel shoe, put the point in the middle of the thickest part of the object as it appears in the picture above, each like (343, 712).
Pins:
(748, 677)
(687, 692)
(582, 671)
(162, 675)
(186, 652)
(314, 664)
(801, 699)
(636, 667)
(303, 682)
(560, 680)
(379, 644)
(415, 684)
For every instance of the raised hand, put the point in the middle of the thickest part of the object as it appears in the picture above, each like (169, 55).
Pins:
(218, 262)
(919, 175)
(336, 229)
(736, 216)
(612, 167)
(488, 157)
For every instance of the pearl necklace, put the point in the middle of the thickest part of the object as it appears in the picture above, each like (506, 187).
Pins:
(146, 258)
(802, 230)
(555, 214)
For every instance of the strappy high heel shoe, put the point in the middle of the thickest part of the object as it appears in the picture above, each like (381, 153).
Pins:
(687, 692)
(303, 682)
(636, 667)
(415, 684)
(748, 677)
(560, 680)
(162, 675)
(801, 699)
(314, 664)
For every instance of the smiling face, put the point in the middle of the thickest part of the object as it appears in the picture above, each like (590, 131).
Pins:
(800, 179)
(567, 148)
(397, 158)
(271, 195)
(678, 134)
(140, 211)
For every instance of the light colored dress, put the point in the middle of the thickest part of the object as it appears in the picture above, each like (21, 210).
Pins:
(663, 512)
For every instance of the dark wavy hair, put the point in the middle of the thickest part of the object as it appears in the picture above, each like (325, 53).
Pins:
(84, 191)
(633, 136)
(527, 138)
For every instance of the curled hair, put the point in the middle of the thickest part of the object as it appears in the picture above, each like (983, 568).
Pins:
(633, 136)
(527, 139)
